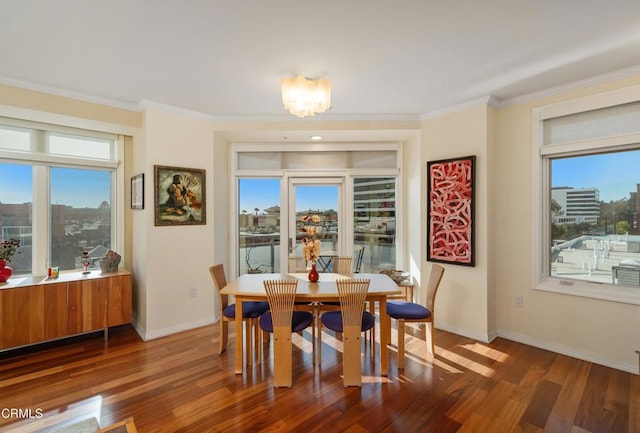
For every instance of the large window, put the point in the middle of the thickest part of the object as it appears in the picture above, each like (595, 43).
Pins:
(589, 237)
(374, 223)
(259, 225)
(353, 188)
(61, 198)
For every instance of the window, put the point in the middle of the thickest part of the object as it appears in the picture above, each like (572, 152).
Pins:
(259, 225)
(589, 237)
(374, 222)
(353, 187)
(62, 193)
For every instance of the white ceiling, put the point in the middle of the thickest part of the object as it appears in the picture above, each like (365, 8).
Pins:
(384, 58)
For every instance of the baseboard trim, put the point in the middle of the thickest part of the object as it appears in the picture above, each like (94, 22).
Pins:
(485, 338)
(152, 335)
(541, 344)
(568, 350)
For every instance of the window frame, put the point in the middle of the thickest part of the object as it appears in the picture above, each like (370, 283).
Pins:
(41, 162)
(285, 173)
(542, 155)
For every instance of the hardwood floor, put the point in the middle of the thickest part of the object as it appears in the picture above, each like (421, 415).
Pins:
(180, 384)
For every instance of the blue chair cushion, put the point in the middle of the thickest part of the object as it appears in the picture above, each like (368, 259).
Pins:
(333, 320)
(250, 310)
(407, 310)
(299, 321)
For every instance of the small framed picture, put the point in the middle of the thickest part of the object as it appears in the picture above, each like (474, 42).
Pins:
(179, 196)
(137, 191)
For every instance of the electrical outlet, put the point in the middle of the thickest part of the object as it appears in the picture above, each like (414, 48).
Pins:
(518, 301)
(193, 292)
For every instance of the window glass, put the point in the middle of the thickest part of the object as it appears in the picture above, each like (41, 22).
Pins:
(374, 204)
(80, 216)
(259, 225)
(594, 217)
(16, 210)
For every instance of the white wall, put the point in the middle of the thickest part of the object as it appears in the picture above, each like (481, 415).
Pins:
(176, 258)
(463, 297)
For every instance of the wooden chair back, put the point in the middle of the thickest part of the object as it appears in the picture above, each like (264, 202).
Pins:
(281, 295)
(342, 265)
(352, 293)
(297, 264)
(220, 281)
(435, 277)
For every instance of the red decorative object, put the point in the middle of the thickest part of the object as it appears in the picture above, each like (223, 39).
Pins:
(313, 274)
(450, 195)
(5, 271)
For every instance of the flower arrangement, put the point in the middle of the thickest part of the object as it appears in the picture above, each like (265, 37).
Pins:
(311, 245)
(8, 248)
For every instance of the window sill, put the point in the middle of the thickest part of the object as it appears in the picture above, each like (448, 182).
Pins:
(604, 292)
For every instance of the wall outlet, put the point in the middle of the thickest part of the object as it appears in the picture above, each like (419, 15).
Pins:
(193, 292)
(518, 301)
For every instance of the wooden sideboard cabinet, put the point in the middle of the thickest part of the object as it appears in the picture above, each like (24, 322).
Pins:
(37, 309)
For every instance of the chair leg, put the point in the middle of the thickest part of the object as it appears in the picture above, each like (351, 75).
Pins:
(429, 336)
(223, 328)
(257, 335)
(319, 341)
(372, 342)
(249, 341)
(400, 325)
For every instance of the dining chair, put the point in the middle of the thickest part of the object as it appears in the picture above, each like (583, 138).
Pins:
(405, 312)
(342, 265)
(359, 256)
(251, 311)
(351, 320)
(281, 320)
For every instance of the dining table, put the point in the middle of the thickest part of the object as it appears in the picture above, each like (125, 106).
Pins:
(250, 287)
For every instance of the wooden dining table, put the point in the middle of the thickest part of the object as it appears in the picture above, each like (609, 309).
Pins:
(250, 287)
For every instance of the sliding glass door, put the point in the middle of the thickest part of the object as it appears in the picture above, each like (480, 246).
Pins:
(322, 197)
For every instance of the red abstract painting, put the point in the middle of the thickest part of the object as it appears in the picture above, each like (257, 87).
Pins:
(450, 194)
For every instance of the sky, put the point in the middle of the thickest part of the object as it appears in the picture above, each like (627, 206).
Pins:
(264, 193)
(615, 175)
(71, 187)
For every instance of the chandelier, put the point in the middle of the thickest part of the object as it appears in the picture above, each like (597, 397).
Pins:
(305, 97)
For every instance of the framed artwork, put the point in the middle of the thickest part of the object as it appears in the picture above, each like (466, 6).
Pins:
(450, 211)
(179, 196)
(137, 191)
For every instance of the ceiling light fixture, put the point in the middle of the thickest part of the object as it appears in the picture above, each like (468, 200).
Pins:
(316, 137)
(305, 97)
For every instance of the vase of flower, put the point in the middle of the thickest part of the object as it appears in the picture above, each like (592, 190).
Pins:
(7, 249)
(313, 273)
(5, 271)
(311, 245)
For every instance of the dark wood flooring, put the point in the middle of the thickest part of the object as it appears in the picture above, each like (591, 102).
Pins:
(180, 384)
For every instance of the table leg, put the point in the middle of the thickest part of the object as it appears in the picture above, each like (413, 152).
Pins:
(239, 332)
(385, 332)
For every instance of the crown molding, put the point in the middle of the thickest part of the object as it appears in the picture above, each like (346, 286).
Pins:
(483, 100)
(575, 85)
(65, 93)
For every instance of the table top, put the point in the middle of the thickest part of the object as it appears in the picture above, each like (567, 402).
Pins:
(251, 285)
